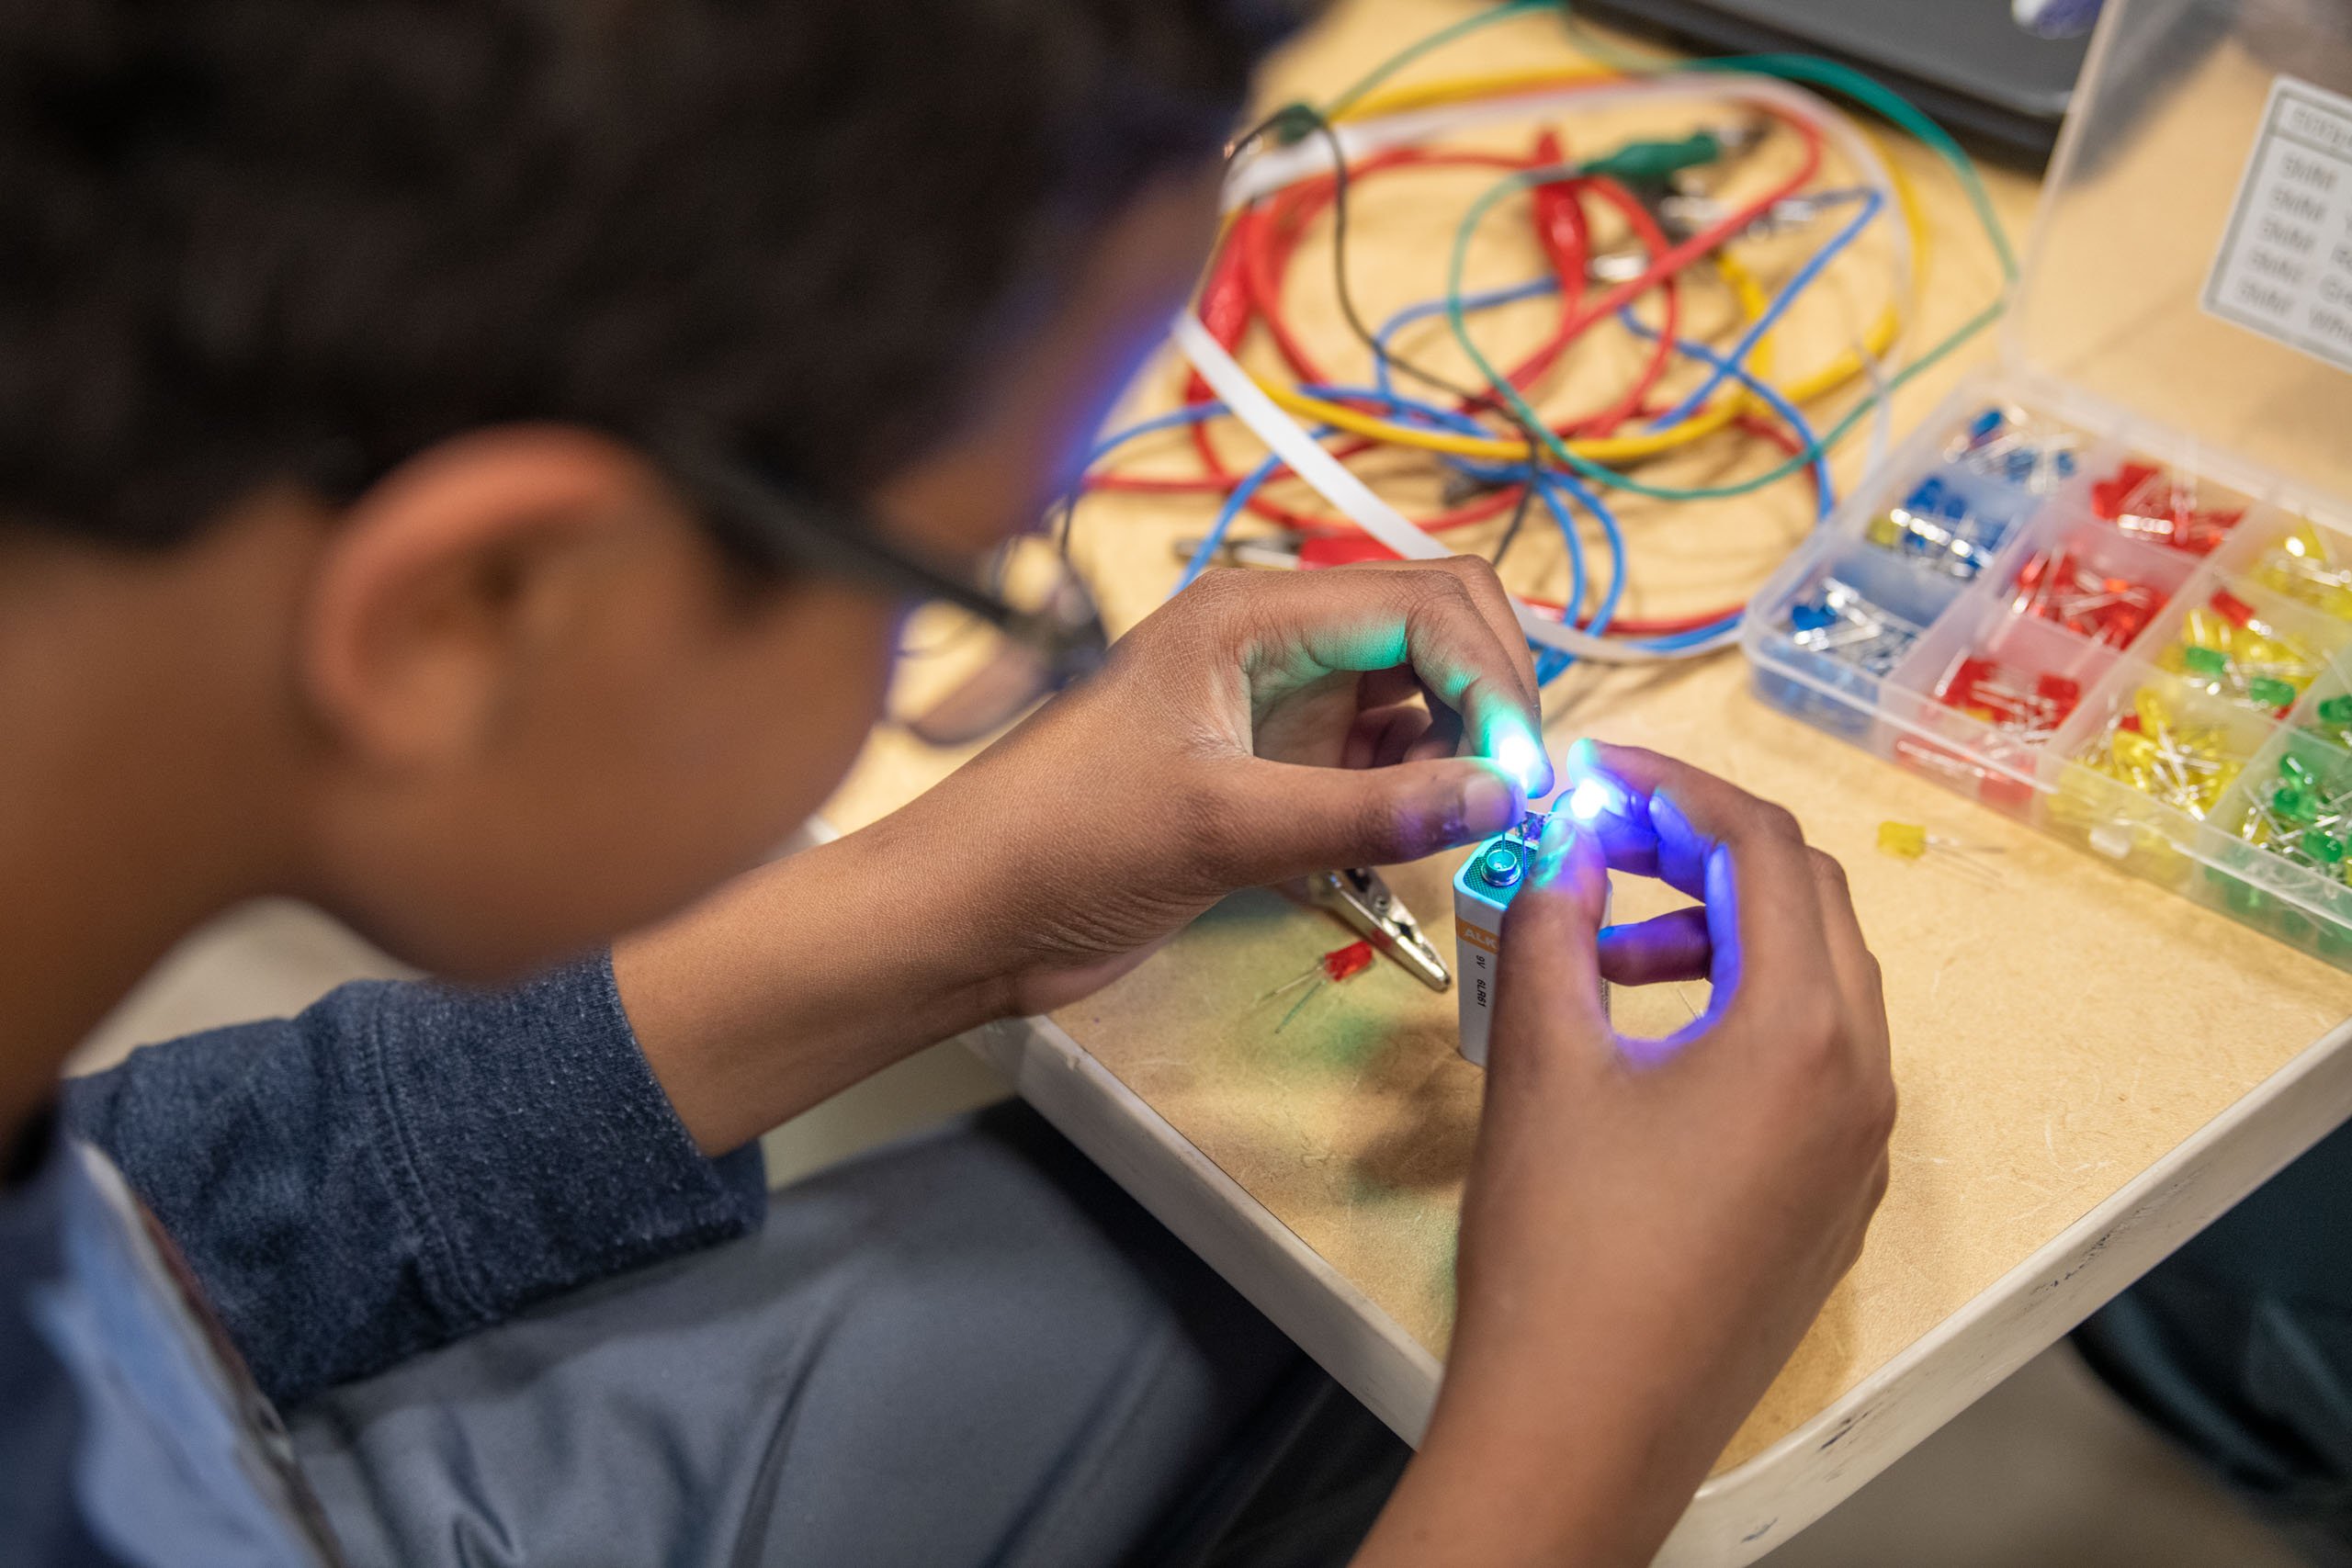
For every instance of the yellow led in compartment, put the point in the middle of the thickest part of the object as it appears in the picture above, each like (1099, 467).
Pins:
(2227, 650)
(2150, 752)
(2305, 569)
(2180, 762)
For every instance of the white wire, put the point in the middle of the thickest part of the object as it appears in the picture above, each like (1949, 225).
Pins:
(1331, 479)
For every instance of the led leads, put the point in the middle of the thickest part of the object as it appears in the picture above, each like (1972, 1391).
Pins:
(2150, 502)
(1937, 527)
(2061, 586)
(1839, 620)
(2303, 812)
(1910, 841)
(2017, 447)
(1340, 964)
(2226, 650)
(2307, 568)
(2181, 761)
(2022, 705)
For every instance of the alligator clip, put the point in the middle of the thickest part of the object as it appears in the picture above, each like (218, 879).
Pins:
(1359, 897)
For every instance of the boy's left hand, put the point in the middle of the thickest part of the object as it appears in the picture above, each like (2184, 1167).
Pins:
(1256, 727)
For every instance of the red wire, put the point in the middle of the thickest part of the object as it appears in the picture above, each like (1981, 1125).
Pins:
(1245, 282)
(1262, 272)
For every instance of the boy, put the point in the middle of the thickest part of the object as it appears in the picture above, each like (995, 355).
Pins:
(466, 464)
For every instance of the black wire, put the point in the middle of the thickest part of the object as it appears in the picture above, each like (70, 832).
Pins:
(1340, 277)
(1381, 352)
(1518, 519)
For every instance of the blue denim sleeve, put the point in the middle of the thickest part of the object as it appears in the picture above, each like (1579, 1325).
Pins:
(404, 1164)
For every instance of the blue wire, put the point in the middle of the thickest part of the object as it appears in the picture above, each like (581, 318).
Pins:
(1250, 484)
(1545, 481)
(1804, 277)
(1411, 313)
(1825, 488)
(1548, 483)
(1191, 414)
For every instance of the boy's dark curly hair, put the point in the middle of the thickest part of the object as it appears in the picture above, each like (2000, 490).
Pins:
(248, 240)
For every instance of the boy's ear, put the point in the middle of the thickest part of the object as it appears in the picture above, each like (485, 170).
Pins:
(442, 582)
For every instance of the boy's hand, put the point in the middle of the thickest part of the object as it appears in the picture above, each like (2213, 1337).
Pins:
(1259, 726)
(1650, 1226)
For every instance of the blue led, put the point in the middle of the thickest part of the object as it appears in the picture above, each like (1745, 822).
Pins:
(1590, 799)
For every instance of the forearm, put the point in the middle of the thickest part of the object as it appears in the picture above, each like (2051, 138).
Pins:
(401, 1164)
(1581, 1460)
(810, 973)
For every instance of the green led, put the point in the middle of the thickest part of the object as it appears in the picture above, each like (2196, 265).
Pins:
(2326, 849)
(2205, 661)
(2293, 767)
(2294, 805)
(2270, 691)
(2335, 710)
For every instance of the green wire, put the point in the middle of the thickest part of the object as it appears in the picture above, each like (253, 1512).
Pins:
(1438, 40)
(1823, 73)
(1806, 68)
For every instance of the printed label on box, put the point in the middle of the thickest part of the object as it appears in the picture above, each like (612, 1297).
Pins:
(2285, 266)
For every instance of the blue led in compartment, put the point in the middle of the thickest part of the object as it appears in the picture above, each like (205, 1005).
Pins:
(1953, 521)
(1855, 618)
(2017, 447)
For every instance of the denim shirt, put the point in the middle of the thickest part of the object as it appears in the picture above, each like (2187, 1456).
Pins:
(398, 1166)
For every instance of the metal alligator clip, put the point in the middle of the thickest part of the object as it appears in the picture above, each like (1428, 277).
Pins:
(1359, 897)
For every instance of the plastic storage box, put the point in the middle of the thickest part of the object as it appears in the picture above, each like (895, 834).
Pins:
(2107, 588)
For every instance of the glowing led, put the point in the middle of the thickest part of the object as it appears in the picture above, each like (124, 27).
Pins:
(1520, 757)
(1590, 799)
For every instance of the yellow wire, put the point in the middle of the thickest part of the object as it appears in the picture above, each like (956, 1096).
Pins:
(1599, 449)
(1718, 414)
(1484, 84)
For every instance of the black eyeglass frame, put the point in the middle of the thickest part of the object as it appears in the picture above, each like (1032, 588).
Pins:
(1068, 636)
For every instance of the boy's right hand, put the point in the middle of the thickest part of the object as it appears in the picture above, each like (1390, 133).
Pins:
(1650, 1226)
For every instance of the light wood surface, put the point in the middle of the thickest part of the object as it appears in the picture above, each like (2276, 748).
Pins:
(2056, 1034)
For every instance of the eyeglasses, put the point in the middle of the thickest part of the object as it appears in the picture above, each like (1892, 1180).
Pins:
(1044, 631)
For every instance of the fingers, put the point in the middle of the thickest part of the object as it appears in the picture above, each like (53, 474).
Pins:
(1448, 621)
(1666, 948)
(1272, 820)
(1547, 974)
(1744, 858)
(1859, 978)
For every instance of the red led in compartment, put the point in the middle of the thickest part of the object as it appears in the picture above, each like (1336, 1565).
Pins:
(2023, 705)
(2150, 502)
(2065, 587)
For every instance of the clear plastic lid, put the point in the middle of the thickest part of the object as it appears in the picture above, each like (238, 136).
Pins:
(2189, 279)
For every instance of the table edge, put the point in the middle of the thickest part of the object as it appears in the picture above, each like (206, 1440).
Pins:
(1742, 1513)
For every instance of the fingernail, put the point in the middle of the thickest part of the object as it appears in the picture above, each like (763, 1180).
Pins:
(1491, 803)
(1667, 818)
(1552, 849)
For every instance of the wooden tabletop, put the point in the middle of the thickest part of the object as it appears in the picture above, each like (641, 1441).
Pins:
(2057, 1031)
